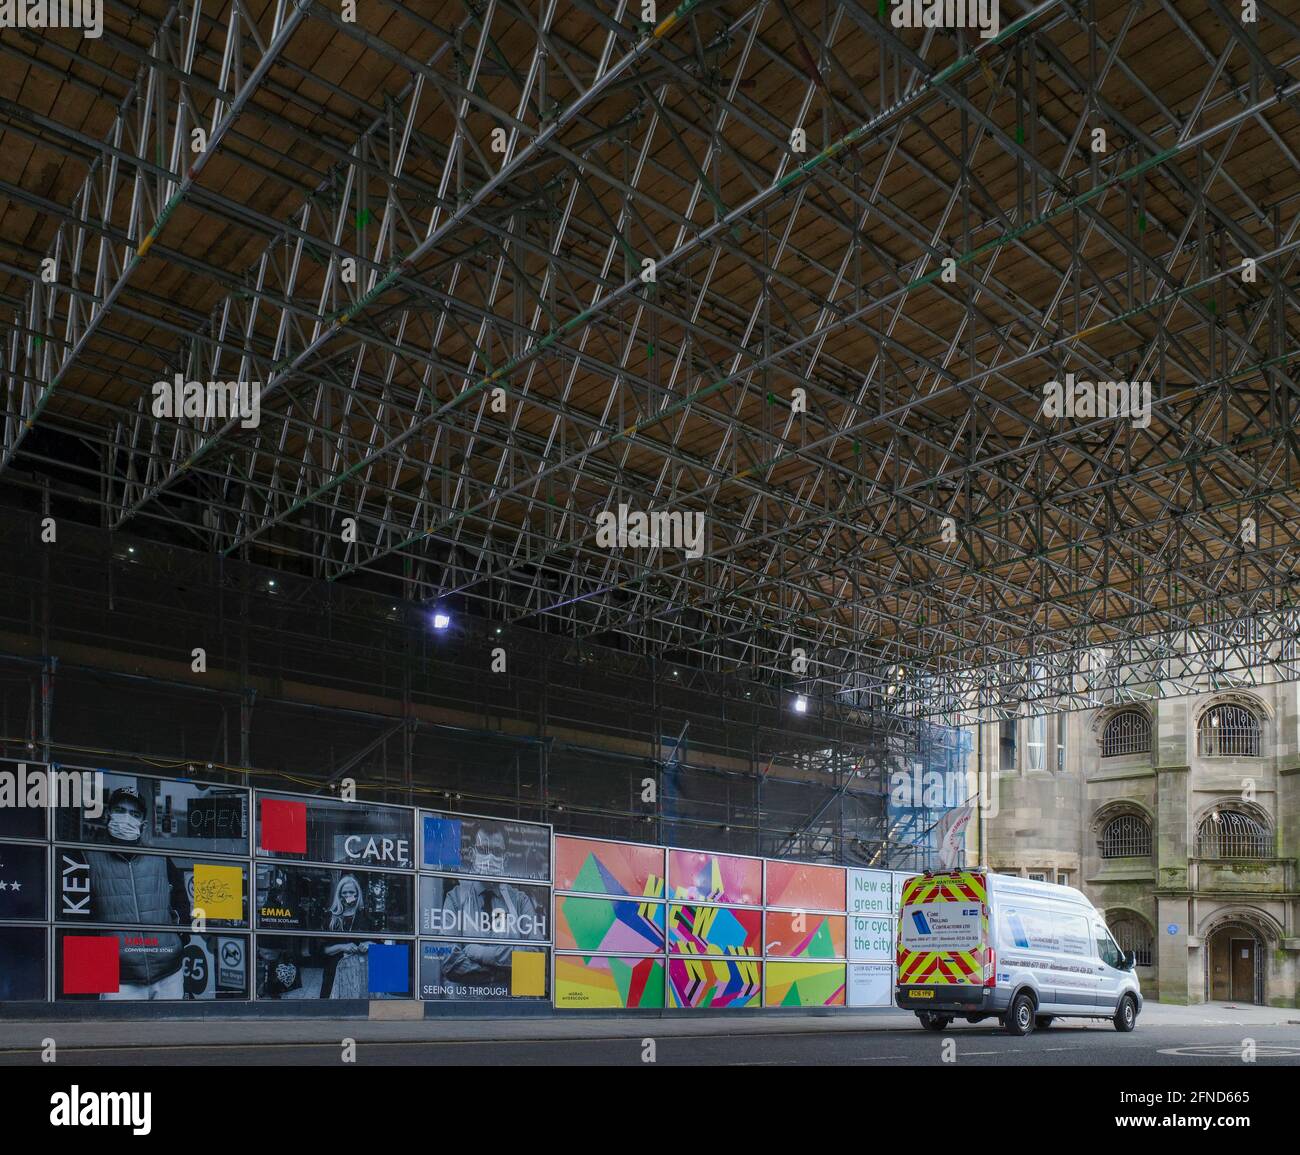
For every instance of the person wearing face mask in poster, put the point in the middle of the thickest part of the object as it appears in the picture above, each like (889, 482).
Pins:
(345, 962)
(128, 888)
(479, 909)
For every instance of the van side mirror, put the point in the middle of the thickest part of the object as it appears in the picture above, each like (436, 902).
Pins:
(1130, 960)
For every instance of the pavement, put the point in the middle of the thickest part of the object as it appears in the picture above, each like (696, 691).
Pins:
(1166, 1035)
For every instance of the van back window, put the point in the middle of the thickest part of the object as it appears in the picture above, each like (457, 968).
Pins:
(932, 926)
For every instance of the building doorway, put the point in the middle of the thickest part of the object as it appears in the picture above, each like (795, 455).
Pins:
(1236, 966)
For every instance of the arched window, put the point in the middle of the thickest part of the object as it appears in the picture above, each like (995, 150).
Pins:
(1231, 834)
(1127, 836)
(1228, 729)
(1133, 934)
(1128, 732)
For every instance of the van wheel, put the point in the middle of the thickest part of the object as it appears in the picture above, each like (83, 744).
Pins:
(933, 1022)
(1020, 1015)
(1042, 1022)
(1125, 1014)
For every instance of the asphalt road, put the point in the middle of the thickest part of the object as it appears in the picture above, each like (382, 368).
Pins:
(1082, 1043)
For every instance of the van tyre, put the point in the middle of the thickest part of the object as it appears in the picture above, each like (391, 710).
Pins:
(1020, 1015)
(932, 1022)
(1125, 1014)
(1042, 1022)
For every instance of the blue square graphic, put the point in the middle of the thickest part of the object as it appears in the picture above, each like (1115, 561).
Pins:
(389, 968)
(442, 843)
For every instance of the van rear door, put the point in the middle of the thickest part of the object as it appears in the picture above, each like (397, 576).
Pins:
(943, 935)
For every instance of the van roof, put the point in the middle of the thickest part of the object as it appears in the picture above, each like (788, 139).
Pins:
(1014, 884)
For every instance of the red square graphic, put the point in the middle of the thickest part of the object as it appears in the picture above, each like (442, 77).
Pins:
(90, 965)
(284, 826)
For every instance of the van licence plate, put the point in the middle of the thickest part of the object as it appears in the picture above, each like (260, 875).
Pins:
(920, 994)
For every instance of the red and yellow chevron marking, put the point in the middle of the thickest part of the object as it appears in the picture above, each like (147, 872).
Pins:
(959, 886)
(947, 966)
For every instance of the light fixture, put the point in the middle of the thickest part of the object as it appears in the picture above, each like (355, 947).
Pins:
(441, 619)
(801, 705)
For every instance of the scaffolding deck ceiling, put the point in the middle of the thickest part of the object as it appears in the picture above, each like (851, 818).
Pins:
(501, 266)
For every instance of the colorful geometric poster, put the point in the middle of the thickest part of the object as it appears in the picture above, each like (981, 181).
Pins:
(587, 981)
(714, 930)
(796, 934)
(595, 867)
(617, 925)
(714, 982)
(804, 984)
(699, 876)
(800, 886)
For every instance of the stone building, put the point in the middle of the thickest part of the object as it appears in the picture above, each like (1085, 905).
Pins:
(1180, 819)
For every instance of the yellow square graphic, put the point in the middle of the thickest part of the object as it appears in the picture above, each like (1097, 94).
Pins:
(527, 972)
(218, 891)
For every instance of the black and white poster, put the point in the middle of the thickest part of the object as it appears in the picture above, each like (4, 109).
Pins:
(453, 907)
(171, 814)
(490, 847)
(22, 963)
(474, 971)
(142, 965)
(329, 830)
(342, 901)
(122, 887)
(22, 881)
(306, 967)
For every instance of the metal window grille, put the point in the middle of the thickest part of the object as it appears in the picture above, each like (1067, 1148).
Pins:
(1133, 935)
(1228, 730)
(1126, 733)
(1231, 834)
(1127, 836)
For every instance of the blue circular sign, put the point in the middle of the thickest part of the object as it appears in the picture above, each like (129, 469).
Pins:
(1172, 928)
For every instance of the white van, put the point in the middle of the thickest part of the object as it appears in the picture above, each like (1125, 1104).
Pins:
(980, 945)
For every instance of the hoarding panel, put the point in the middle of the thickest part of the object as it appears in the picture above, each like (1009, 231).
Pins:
(712, 982)
(483, 972)
(610, 925)
(488, 847)
(605, 981)
(872, 939)
(169, 814)
(871, 892)
(328, 830)
(23, 884)
(133, 964)
(592, 866)
(804, 934)
(804, 886)
(871, 985)
(804, 984)
(22, 963)
(320, 967)
(101, 885)
(295, 896)
(480, 908)
(714, 930)
(702, 876)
